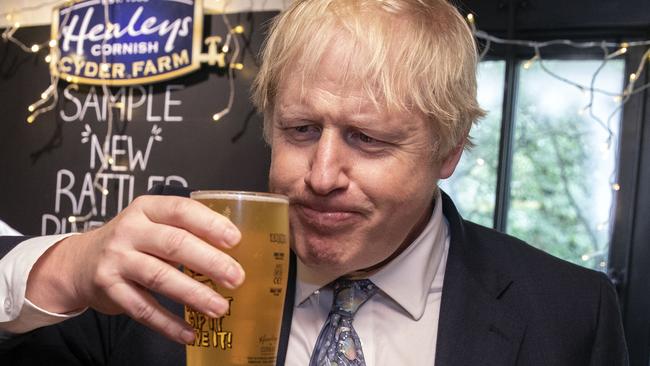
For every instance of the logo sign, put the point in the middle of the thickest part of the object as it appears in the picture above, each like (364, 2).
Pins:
(126, 42)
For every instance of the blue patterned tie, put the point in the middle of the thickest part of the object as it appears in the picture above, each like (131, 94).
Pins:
(338, 343)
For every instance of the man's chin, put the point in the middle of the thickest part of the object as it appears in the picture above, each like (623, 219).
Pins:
(325, 258)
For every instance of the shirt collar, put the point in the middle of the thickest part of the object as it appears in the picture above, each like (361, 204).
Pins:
(406, 279)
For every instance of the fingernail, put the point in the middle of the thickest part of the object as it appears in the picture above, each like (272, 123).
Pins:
(187, 336)
(232, 236)
(218, 307)
(235, 275)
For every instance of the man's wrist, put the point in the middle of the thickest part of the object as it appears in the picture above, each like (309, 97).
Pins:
(51, 284)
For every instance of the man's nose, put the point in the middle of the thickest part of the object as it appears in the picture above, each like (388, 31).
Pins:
(329, 165)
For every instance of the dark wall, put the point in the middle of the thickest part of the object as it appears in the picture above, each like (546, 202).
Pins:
(51, 159)
(553, 15)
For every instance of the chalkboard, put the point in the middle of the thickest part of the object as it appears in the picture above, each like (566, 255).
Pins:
(163, 134)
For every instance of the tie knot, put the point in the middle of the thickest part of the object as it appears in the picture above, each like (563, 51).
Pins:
(349, 295)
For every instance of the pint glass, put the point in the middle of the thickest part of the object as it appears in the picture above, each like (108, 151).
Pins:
(249, 333)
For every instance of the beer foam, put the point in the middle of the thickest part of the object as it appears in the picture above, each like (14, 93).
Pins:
(248, 196)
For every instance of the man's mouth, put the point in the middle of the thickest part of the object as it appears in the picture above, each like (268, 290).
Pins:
(327, 218)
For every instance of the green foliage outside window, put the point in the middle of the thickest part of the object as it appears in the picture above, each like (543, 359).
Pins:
(560, 188)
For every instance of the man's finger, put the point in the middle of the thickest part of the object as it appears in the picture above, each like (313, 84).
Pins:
(179, 246)
(156, 275)
(192, 216)
(143, 307)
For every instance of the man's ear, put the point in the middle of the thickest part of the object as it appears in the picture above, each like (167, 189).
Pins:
(449, 163)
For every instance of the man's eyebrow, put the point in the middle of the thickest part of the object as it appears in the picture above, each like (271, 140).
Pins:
(293, 114)
(294, 111)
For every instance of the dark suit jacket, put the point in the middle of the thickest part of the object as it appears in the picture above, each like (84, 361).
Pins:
(503, 303)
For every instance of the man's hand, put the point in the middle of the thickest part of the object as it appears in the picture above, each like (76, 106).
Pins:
(112, 269)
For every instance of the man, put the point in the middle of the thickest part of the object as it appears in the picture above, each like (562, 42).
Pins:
(367, 104)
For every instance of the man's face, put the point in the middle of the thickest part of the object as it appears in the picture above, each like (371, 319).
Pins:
(360, 179)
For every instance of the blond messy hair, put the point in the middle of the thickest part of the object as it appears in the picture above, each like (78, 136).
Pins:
(410, 55)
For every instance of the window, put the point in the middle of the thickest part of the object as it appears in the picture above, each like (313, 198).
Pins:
(563, 157)
(473, 184)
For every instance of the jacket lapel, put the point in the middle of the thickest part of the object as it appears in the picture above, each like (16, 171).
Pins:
(475, 328)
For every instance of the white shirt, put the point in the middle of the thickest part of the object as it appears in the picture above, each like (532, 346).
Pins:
(7, 230)
(17, 314)
(397, 326)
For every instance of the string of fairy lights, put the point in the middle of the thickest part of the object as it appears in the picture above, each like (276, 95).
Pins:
(610, 51)
(230, 38)
(231, 46)
(49, 97)
(619, 49)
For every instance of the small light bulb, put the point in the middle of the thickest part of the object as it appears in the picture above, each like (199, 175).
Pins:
(238, 29)
(48, 59)
(44, 95)
(30, 119)
(52, 43)
(31, 108)
(623, 50)
(529, 63)
(68, 78)
(110, 160)
(105, 67)
(632, 77)
(9, 17)
(105, 192)
(72, 219)
(585, 257)
(480, 162)
(225, 48)
(218, 116)
(470, 18)
(618, 99)
(616, 187)
(35, 48)
(237, 66)
(17, 25)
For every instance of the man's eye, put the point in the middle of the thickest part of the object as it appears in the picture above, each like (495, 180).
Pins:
(302, 129)
(362, 137)
(368, 144)
(303, 132)
(367, 139)
(306, 129)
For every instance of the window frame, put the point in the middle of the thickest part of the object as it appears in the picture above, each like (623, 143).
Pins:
(629, 252)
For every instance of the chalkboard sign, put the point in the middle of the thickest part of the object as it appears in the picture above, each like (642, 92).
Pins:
(162, 133)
